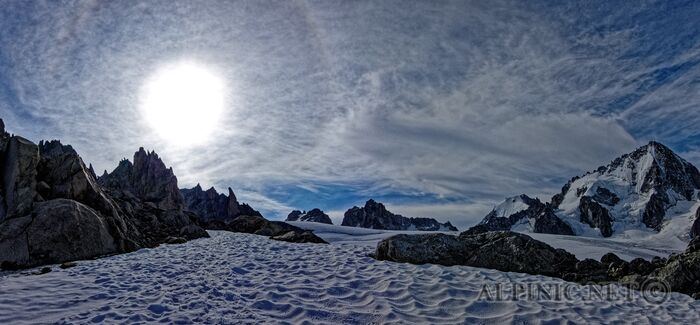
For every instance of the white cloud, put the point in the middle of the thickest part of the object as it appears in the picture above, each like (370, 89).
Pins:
(469, 102)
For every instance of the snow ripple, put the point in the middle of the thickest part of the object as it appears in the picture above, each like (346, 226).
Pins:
(240, 278)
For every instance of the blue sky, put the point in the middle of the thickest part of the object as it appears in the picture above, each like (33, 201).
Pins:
(439, 109)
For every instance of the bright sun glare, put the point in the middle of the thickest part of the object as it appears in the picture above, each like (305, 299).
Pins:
(183, 103)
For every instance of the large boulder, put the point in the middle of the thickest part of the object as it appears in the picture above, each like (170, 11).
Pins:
(56, 231)
(18, 187)
(501, 250)
(375, 215)
(314, 215)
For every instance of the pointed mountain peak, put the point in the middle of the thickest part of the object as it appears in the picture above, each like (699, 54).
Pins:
(231, 195)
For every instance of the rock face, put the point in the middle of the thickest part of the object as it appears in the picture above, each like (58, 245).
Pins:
(148, 179)
(695, 229)
(595, 215)
(515, 252)
(501, 250)
(223, 212)
(51, 208)
(315, 215)
(147, 193)
(522, 212)
(214, 208)
(374, 215)
(634, 191)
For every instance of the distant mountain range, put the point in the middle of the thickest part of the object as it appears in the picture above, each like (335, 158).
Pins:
(649, 190)
(375, 215)
(314, 215)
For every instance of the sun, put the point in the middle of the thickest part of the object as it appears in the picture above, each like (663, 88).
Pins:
(183, 103)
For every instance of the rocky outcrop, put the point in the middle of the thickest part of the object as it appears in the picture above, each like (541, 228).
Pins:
(20, 158)
(214, 208)
(504, 251)
(274, 229)
(695, 229)
(514, 252)
(147, 193)
(299, 237)
(375, 215)
(223, 212)
(53, 210)
(148, 179)
(522, 210)
(681, 272)
(595, 216)
(314, 215)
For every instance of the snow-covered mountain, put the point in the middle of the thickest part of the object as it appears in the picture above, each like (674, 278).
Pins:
(648, 191)
(314, 215)
(523, 213)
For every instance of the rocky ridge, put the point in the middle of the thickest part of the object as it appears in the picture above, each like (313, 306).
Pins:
(374, 215)
(314, 215)
(516, 252)
(53, 209)
(216, 211)
(214, 208)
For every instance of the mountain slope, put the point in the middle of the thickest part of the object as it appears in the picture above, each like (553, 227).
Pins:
(523, 213)
(644, 192)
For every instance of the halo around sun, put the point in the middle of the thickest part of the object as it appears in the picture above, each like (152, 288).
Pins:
(183, 103)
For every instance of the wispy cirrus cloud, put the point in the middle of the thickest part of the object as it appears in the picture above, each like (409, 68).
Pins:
(438, 108)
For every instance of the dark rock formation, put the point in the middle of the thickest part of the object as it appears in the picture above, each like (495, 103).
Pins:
(680, 273)
(539, 214)
(595, 216)
(52, 208)
(147, 179)
(20, 158)
(315, 215)
(274, 229)
(546, 222)
(223, 212)
(374, 215)
(610, 258)
(299, 237)
(505, 251)
(147, 193)
(695, 229)
(215, 209)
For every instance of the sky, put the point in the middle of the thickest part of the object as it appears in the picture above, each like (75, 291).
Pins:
(438, 109)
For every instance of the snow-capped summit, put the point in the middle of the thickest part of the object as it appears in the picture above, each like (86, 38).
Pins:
(646, 191)
(634, 191)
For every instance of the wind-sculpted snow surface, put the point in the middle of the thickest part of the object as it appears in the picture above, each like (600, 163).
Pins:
(241, 278)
